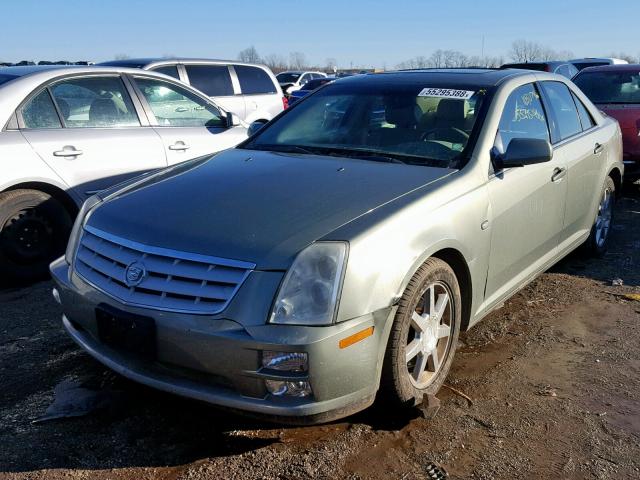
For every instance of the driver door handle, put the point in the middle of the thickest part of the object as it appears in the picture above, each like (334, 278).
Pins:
(558, 174)
(598, 149)
(179, 146)
(67, 151)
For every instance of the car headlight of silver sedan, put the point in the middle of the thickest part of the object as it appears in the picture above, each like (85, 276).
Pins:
(83, 214)
(310, 289)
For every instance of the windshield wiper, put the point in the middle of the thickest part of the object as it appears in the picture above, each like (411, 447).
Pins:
(281, 148)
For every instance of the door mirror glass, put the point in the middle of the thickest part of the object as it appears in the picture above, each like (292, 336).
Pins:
(522, 152)
(255, 126)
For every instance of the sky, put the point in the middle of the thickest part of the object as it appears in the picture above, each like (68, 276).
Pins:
(359, 33)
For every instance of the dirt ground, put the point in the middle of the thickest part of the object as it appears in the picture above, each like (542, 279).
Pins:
(553, 380)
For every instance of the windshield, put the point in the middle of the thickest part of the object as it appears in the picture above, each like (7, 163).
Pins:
(286, 77)
(399, 123)
(5, 78)
(610, 87)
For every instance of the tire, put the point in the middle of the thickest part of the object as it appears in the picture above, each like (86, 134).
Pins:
(598, 241)
(34, 229)
(403, 382)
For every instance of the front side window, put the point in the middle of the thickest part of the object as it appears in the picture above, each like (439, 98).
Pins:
(564, 116)
(254, 80)
(610, 87)
(403, 123)
(171, 70)
(174, 106)
(523, 117)
(213, 80)
(40, 112)
(94, 102)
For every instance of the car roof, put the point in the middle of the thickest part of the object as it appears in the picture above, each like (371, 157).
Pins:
(621, 67)
(145, 62)
(29, 69)
(477, 77)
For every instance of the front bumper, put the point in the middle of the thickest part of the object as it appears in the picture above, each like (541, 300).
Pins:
(218, 360)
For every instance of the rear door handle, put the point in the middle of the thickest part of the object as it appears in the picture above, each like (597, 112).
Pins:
(179, 146)
(558, 174)
(598, 149)
(67, 151)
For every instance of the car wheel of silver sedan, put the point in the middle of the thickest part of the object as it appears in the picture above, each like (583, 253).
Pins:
(424, 334)
(599, 237)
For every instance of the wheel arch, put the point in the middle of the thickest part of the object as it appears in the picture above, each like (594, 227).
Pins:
(616, 176)
(456, 260)
(55, 192)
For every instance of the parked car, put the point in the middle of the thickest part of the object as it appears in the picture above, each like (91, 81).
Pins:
(291, 81)
(581, 63)
(615, 89)
(336, 252)
(68, 132)
(566, 69)
(309, 87)
(249, 90)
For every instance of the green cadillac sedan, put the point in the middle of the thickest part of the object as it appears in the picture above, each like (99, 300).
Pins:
(336, 254)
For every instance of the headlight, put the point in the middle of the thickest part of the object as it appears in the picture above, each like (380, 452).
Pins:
(309, 292)
(83, 214)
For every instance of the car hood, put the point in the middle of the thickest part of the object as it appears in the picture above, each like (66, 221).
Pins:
(256, 206)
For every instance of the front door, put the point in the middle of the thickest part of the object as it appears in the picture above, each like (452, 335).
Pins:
(527, 203)
(88, 131)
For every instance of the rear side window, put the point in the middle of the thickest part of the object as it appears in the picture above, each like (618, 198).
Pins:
(254, 80)
(94, 102)
(170, 70)
(564, 116)
(40, 112)
(523, 117)
(585, 117)
(213, 80)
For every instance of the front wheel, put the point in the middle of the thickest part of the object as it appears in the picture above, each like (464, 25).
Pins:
(598, 240)
(424, 335)
(34, 229)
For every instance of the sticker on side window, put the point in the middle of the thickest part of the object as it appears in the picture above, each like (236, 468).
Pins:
(446, 93)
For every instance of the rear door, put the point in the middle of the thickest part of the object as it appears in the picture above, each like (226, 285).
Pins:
(575, 139)
(262, 98)
(88, 130)
(527, 203)
(216, 82)
(188, 125)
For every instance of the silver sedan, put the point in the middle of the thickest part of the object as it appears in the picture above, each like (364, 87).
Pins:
(338, 252)
(68, 132)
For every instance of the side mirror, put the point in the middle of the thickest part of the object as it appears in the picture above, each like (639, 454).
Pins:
(255, 126)
(232, 120)
(522, 152)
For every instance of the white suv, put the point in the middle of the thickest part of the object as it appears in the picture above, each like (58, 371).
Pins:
(292, 81)
(249, 90)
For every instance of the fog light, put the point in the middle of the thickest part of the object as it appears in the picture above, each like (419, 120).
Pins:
(294, 362)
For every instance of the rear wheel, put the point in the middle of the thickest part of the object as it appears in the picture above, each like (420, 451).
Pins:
(424, 335)
(598, 240)
(34, 229)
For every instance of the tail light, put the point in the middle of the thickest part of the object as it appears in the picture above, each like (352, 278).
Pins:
(285, 103)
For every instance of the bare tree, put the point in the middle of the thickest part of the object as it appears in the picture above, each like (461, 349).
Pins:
(525, 51)
(330, 64)
(249, 55)
(625, 56)
(277, 63)
(297, 61)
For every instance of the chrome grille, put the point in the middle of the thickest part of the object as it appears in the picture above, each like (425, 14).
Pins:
(174, 281)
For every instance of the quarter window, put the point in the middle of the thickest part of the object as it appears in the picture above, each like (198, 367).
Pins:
(585, 117)
(213, 80)
(254, 80)
(40, 112)
(564, 116)
(174, 106)
(94, 102)
(523, 117)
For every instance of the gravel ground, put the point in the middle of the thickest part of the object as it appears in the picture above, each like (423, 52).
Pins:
(552, 381)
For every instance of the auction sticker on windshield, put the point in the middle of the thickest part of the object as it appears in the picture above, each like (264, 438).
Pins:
(446, 93)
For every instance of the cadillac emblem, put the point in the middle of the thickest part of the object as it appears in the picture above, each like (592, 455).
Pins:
(134, 274)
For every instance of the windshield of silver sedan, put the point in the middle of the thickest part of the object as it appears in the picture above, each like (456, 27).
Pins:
(418, 125)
